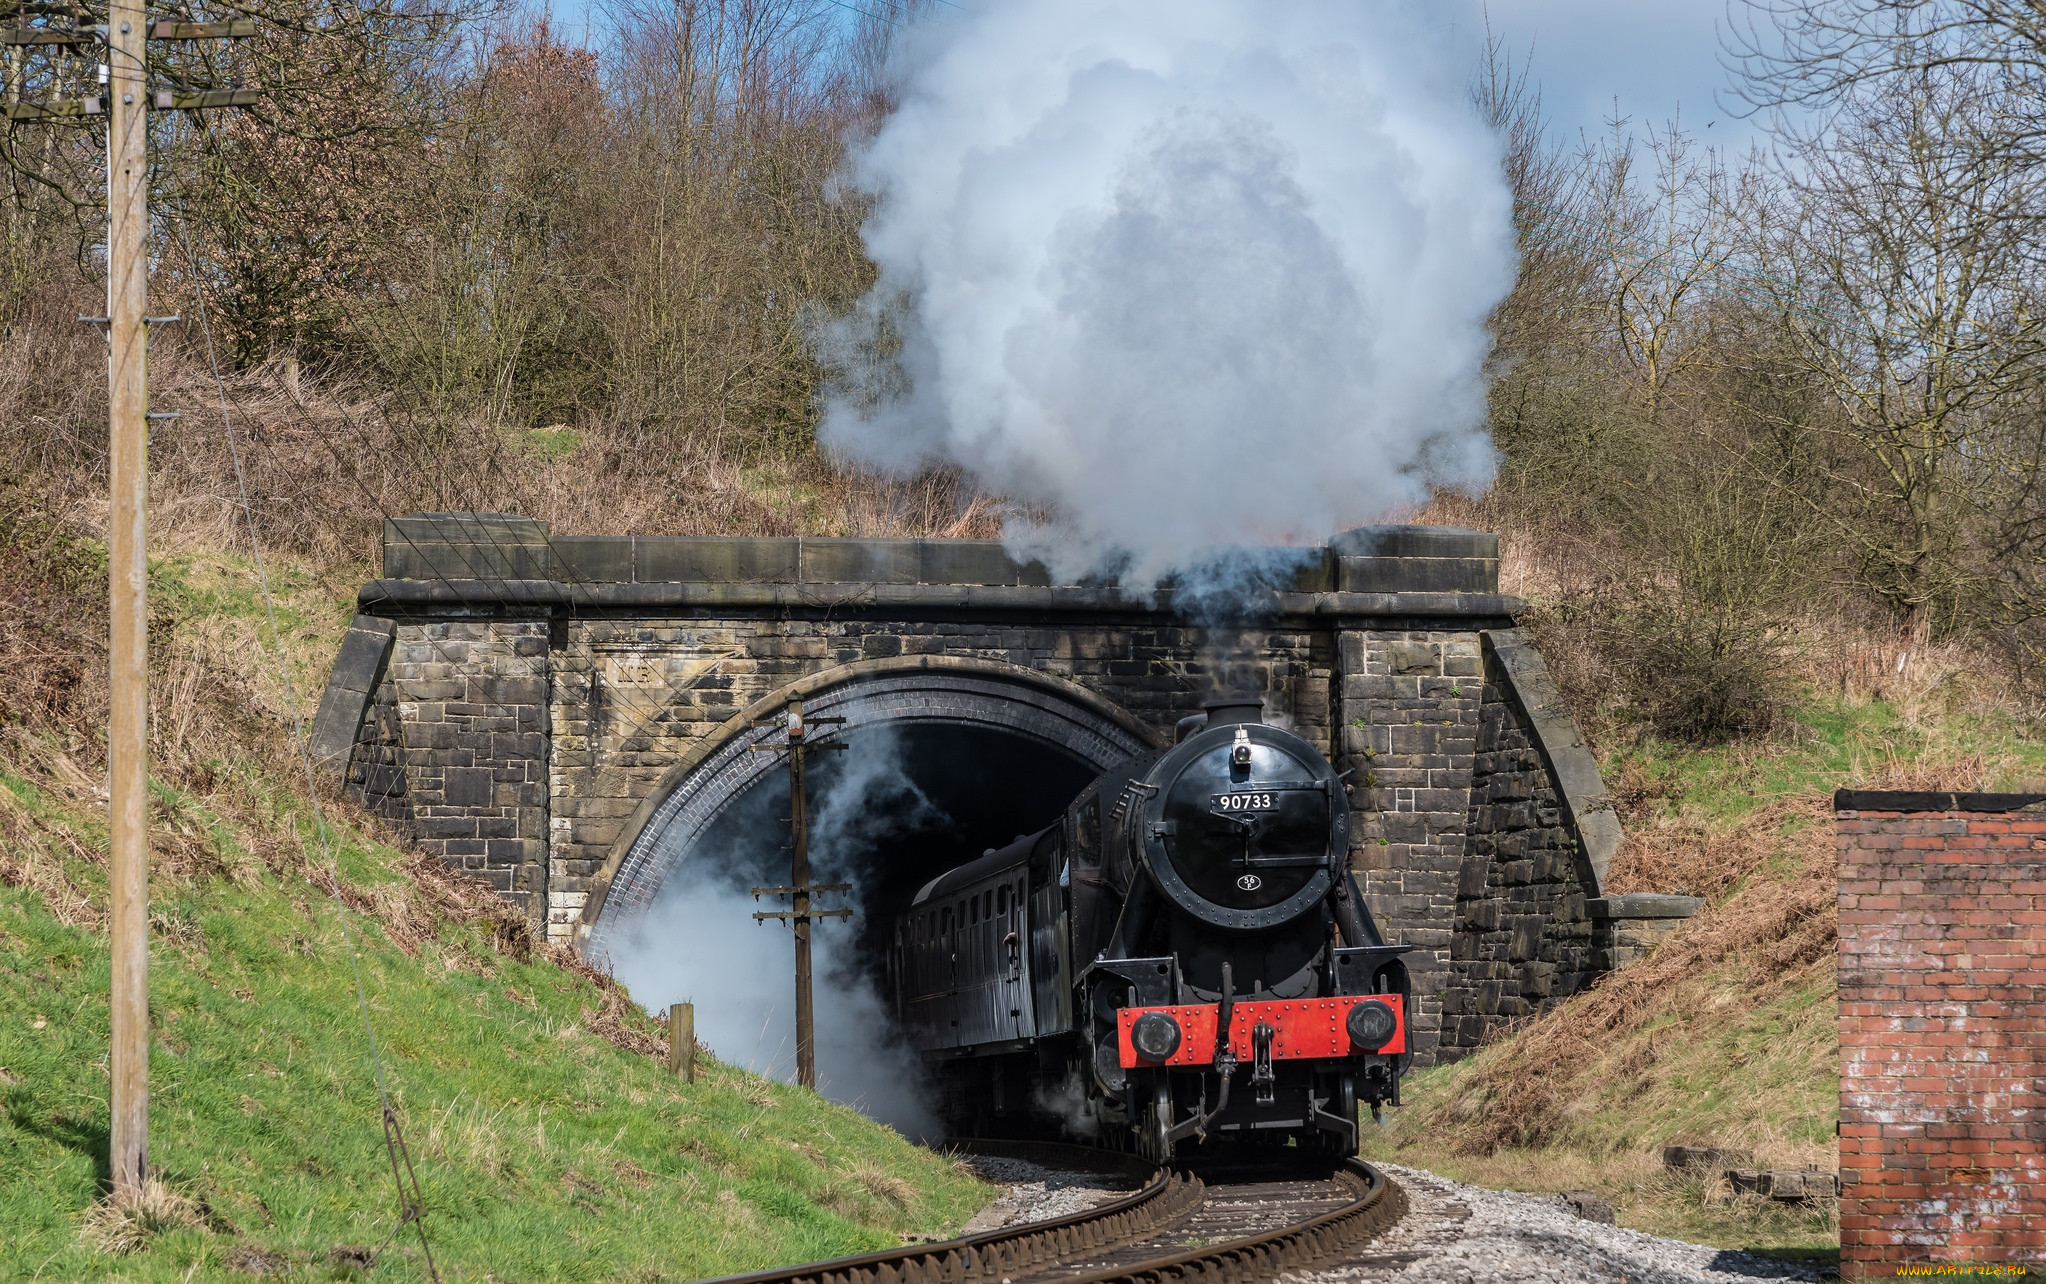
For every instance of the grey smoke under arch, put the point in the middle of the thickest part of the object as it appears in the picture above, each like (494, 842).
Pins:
(1019, 705)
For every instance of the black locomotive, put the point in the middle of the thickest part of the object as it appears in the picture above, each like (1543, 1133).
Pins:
(1077, 979)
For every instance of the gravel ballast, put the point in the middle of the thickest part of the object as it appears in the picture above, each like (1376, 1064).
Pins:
(1034, 1193)
(1452, 1234)
(1458, 1234)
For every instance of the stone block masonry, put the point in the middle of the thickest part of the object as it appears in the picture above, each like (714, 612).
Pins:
(458, 752)
(1942, 1030)
(539, 710)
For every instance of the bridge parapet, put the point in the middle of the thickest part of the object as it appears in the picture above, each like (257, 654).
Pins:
(457, 548)
(555, 713)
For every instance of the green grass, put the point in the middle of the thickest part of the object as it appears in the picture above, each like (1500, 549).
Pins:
(555, 443)
(544, 1151)
(1831, 744)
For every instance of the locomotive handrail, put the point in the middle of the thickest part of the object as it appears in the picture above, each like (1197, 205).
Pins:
(1005, 1250)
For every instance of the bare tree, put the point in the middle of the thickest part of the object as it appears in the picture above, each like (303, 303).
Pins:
(1906, 251)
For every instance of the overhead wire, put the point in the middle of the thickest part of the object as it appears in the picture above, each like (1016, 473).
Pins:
(641, 707)
(411, 1205)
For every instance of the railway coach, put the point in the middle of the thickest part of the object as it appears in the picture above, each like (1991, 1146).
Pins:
(1182, 957)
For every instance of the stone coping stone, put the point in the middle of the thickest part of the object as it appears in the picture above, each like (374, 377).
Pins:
(443, 597)
(1416, 541)
(501, 546)
(1906, 800)
(1794, 1185)
(1409, 574)
(1644, 905)
(1555, 732)
(358, 668)
(466, 546)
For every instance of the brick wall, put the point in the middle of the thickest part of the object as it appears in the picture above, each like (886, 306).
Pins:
(1942, 1029)
(1409, 707)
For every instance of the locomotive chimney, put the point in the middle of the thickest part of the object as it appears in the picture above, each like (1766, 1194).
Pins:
(1227, 709)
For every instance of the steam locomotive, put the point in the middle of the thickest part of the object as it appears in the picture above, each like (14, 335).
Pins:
(1181, 958)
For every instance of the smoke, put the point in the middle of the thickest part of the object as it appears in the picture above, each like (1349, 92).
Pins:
(699, 943)
(1067, 1099)
(1183, 274)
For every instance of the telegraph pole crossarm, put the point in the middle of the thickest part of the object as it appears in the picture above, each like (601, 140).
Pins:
(800, 889)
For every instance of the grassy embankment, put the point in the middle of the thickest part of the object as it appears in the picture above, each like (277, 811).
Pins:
(550, 1142)
(1726, 1035)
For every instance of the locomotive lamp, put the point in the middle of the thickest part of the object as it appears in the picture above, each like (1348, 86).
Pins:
(1372, 1025)
(1155, 1036)
(1239, 751)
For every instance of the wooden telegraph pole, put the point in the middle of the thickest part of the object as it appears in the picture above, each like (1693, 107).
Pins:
(128, 427)
(122, 48)
(800, 889)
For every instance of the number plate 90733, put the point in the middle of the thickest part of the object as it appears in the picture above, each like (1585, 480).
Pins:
(1248, 800)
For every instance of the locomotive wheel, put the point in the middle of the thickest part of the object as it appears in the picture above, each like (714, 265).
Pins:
(1161, 1120)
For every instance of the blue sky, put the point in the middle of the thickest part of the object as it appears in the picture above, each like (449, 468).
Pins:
(1655, 57)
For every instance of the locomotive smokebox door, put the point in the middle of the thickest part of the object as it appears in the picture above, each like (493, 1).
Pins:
(1247, 826)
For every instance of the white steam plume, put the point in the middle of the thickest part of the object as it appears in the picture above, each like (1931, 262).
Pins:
(1194, 273)
(698, 943)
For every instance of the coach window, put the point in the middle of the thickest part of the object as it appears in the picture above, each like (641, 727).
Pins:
(1002, 900)
(1044, 858)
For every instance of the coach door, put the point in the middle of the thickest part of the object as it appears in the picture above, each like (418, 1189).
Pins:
(1012, 945)
(1044, 939)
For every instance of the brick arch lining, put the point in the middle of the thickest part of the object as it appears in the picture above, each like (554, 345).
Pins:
(998, 699)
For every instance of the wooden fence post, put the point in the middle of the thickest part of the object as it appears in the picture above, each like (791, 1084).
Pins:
(682, 1041)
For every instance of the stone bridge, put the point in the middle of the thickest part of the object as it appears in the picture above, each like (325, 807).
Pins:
(571, 717)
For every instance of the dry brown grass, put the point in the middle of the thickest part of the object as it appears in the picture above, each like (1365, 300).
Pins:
(884, 1185)
(1702, 859)
(117, 1226)
(1772, 932)
(328, 465)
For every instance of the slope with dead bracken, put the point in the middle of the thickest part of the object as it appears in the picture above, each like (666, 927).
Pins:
(549, 1139)
(1725, 1035)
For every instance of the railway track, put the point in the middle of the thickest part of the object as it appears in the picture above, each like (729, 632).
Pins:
(1227, 1225)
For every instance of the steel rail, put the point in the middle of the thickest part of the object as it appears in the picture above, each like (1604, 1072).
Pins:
(1035, 1248)
(1166, 1197)
(1265, 1256)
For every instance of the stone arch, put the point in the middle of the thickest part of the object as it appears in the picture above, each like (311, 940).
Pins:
(987, 695)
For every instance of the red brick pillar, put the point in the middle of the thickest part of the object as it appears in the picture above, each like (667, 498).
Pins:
(1942, 1029)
